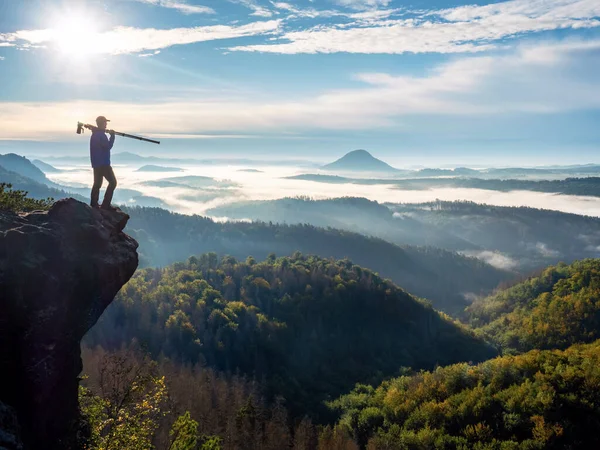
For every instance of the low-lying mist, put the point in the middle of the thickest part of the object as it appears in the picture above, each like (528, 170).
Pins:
(228, 184)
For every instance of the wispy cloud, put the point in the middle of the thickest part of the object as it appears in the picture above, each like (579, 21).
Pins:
(257, 10)
(360, 17)
(363, 4)
(146, 55)
(7, 40)
(122, 40)
(365, 26)
(182, 7)
(464, 29)
(494, 258)
(531, 80)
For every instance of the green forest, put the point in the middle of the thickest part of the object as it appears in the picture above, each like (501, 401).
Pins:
(321, 354)
(310, 327)
(556, 309)
(543, 399)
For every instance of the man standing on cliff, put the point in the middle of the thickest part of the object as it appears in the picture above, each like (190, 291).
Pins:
(100, 147)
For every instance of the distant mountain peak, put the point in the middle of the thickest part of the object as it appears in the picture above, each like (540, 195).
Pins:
(360, 160)
(360, 151)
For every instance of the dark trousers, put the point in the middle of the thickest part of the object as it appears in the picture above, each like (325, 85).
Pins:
(99, 174)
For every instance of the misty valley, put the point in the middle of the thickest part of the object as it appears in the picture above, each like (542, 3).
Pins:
(345, 306)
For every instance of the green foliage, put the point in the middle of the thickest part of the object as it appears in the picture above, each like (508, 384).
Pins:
(556, 309)
(310, 327)
(539, 400)
(184, 433)
(211, 443)
(125, 416)
(17, 201)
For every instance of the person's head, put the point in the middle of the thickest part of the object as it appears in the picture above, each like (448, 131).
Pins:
(101, 121)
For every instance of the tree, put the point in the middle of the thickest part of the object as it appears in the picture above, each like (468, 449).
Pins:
(184, 433)
(132, 399)
(17, 201)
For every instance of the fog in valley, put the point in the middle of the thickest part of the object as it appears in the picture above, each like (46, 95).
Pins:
(516, 223)
(492, 224)
(233, 183)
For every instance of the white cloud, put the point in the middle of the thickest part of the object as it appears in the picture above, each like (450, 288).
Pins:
(123, 40)
(365, 28)
(362, 17)
(464, 29)
(146, 55)
(7, 40)
(546, 251)
(2, 58)
(363, 4)
(257, 10)
(493, 258)
(182, 7)
(538, 80)
(295, 12)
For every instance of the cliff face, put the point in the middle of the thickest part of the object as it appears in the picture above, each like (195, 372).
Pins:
(59, 270)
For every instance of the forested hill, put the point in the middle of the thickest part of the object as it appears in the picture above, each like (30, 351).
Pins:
(530, 238)
(556, 309)
(347, 213)
(36, 190)
(440, 276)
(24, 167)
(546, 398)
(542, 400)
(310, 328)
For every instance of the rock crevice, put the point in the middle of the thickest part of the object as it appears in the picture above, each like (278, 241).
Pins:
(59, 270)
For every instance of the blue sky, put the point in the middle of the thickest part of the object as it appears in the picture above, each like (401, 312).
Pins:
(471, 83)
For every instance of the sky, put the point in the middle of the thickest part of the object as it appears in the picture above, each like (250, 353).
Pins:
(431, 83)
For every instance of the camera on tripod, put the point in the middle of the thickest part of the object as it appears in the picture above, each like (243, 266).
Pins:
(81, 126)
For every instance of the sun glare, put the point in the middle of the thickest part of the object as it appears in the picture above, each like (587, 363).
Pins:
(76, 36)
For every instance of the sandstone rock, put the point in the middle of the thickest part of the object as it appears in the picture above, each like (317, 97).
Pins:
(59, 270)
(9, 429)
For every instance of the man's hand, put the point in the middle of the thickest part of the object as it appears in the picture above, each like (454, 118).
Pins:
(112, 133)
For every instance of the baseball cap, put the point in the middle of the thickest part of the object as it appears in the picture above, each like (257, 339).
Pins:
(101, 119)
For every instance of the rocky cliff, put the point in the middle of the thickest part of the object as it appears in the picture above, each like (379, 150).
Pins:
(59, 270)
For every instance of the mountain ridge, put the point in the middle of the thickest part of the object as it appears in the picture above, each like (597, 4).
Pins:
(24, 167)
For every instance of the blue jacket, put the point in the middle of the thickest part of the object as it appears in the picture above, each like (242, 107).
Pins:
(100, 147)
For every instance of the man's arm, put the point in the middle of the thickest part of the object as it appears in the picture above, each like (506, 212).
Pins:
(105, 143)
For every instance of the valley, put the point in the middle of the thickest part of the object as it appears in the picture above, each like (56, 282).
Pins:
(316, 313)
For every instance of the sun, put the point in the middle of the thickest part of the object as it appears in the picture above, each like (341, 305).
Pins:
(76, 36)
